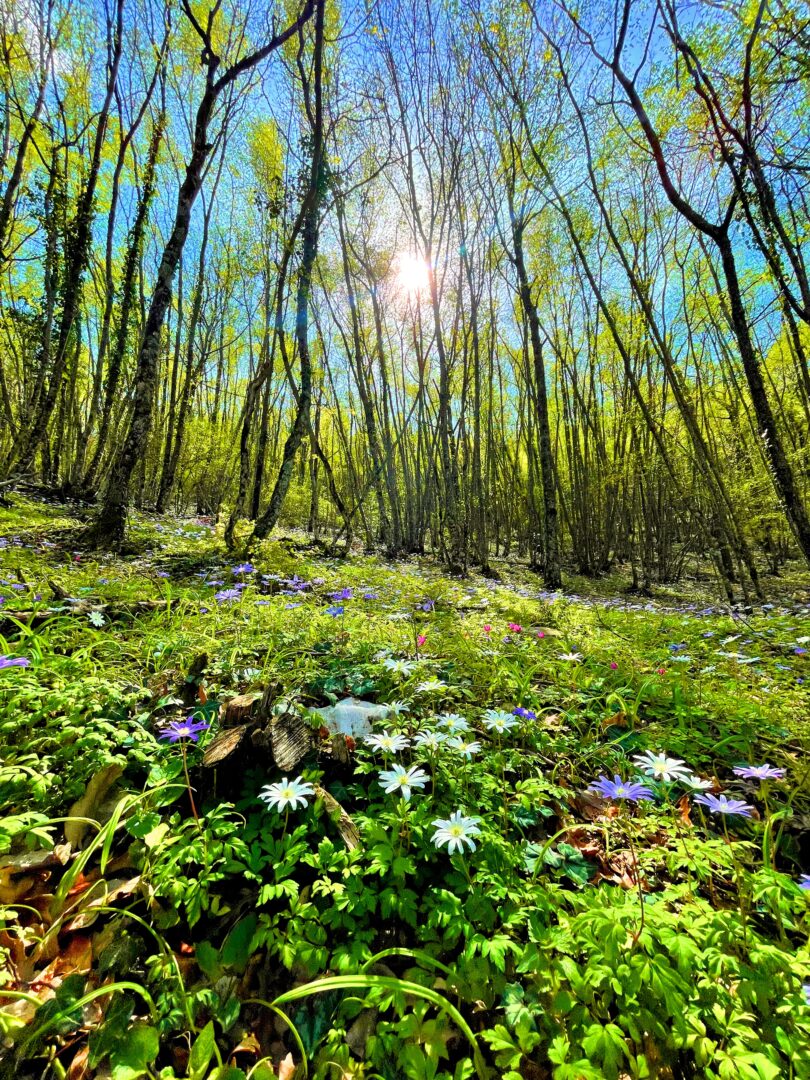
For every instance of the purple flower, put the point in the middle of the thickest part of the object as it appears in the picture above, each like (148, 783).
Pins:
(804, 882)
(183, 729)
(428, 605)
(721, 804)
(14, 661)
(759, 772)
(342, 594)
(524, 714)
(371, 596)
(225, 595)
(334, 610)
(244, 568)
(162, 573)
(618, 789)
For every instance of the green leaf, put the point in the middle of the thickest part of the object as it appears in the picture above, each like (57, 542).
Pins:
(235, 951)
(134, 1052)
(201, 1052)
(207, 958)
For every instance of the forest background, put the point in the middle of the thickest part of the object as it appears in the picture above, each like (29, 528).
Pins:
(521, 279)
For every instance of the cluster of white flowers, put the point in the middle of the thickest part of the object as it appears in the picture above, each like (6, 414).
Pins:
(670, 770)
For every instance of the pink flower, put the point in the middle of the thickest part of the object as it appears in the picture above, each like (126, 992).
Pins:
(613, 665)
(661, 671)
(541, 633)
(487, 628)
(516, 628)
(420, 641)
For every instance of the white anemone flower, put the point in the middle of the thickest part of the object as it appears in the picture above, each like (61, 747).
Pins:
(453, 723)
(499, 721)
(431, 686)
(430, 740)
(456, 831)
(466, 748)
(287, 793)
(399, 667)
(388, 742)
(401, 780)
(661, 767)
(696, 783)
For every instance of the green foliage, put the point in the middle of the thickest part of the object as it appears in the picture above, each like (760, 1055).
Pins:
(575, 938)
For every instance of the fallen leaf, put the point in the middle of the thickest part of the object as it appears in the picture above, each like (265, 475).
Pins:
(75, 959)
(286, 1068)
(78, 1067)
(87, 806)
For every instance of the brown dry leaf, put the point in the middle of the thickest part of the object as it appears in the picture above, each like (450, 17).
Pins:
(286, 1068)
(684, 810)
(248, 1045)
(117, 891)
(202, 696)
(619, 719)
(75, 959)
(14, 889)
(78, 1069)
(88, 805)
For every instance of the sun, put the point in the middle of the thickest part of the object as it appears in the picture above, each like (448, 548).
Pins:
(412, 274)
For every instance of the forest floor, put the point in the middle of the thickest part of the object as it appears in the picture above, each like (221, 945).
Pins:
(201, 876)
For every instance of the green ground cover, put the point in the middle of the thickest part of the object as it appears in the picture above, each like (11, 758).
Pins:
(506, 918)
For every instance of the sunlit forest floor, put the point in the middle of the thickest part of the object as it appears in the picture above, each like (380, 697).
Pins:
(338, 815)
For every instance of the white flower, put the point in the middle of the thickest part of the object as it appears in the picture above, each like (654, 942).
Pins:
(430, 740)
(399, 667)
(661, 767)
(571, 657)
(453, 723)
(431, 686)
(456, 831)
(499, 721)
(402, 780)
(95, 618)
(387, 742)
(287, 793)
(397, 707)
(696, 783)
(467, 749)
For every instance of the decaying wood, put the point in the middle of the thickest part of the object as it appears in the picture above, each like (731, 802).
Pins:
(225, 744)
(241, 709)
(346, 827)
(291, 740)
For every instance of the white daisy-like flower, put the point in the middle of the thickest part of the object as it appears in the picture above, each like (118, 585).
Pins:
(401, 780)
(95, 618)
(430, 740)
(396, 708)
(661, 767)
(287, 793)
(456, 831)
(571, 657)
(399, 667)
(388, 742)
(453, 723)
(499, 721)
(431, 686)
(696, 783)
(466, 748)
